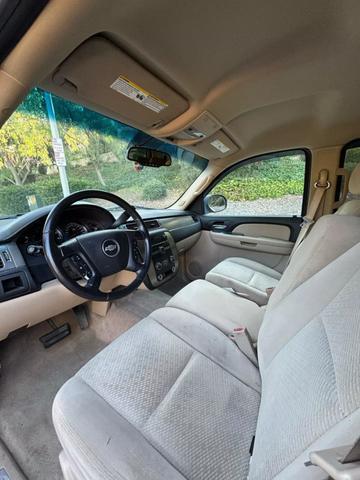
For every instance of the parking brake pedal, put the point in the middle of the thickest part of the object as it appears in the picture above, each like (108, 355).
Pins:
(49, 339)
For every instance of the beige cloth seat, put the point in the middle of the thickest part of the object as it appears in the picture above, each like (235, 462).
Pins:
(253, 279)
(174, 398)
(250, 278)
(136, 410)
(219, 306)
(331, 236)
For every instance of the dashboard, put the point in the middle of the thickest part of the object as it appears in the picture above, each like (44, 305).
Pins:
(29, 292)
(23, 267)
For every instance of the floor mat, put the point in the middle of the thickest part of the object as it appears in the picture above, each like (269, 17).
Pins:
(31, 376)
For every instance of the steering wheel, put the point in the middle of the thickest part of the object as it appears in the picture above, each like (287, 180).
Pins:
(82, 262)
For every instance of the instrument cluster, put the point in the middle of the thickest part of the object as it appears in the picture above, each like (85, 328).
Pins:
(77, 222)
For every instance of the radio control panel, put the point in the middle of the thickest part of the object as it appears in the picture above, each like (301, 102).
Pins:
(164, 262)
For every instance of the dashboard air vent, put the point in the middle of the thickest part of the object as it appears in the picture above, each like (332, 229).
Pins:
(152, 224)
(149, 223)
(1, 262)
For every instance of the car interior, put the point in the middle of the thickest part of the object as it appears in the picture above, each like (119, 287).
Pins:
(179, 240)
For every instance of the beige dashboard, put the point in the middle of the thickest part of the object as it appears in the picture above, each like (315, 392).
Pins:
(51, 300)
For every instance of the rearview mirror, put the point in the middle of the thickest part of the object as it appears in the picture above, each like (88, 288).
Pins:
(148, 157)
(215, 203)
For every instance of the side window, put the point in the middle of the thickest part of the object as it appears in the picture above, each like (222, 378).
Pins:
(270, 185)
(350, 157)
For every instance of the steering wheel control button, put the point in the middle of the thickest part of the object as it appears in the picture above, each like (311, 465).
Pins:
(81, 266)
(110, 247)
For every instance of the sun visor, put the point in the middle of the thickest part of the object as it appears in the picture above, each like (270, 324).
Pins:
(101, 73)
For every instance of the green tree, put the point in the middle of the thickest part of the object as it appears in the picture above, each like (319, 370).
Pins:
(24, 145)
(89, 144)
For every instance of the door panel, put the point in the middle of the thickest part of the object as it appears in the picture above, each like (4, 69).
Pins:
(206, 254)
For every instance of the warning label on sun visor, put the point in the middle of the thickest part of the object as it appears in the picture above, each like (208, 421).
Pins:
(133, 91)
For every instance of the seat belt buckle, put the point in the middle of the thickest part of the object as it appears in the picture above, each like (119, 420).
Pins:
(269, 291)
(332, 462)
(241, 337)
(239, 294)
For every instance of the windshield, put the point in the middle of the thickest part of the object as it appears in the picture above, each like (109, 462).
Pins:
(50, 147)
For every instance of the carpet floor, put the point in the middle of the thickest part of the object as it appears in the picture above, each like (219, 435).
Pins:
(31, 376)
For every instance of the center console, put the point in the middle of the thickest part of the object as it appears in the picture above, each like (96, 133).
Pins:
(164, 262)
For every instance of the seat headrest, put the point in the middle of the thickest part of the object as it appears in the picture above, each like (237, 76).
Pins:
(354, 182)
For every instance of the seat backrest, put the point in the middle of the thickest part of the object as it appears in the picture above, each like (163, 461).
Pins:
(309, 359)
(352, 204)
(331, 236)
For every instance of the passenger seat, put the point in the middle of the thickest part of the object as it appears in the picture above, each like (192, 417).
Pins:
(249, 278)
(331, 236)
(256, 281)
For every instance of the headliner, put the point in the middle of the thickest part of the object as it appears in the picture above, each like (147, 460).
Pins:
(275, 75)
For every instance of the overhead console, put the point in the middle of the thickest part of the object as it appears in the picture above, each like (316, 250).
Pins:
(205, 137)
(99, 73)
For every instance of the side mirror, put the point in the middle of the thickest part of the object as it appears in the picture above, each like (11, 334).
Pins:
(148, 157)
(215, 203)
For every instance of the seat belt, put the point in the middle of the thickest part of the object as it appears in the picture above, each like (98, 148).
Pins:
(241, 337)
(321, 185)
(339, 463)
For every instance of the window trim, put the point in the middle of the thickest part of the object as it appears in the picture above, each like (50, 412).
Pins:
(198, 204)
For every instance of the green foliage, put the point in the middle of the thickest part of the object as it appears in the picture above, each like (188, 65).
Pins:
(24, 145)
(253, 189)
(352, 158)
(14, 198)
(154, 190)
(272, 178)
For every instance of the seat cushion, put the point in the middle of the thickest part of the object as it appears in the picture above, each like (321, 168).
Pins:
(171, 398)
(222, 308)
(245, 276)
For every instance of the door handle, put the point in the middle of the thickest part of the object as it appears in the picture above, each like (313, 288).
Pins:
(219, 227)
(248, 244)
